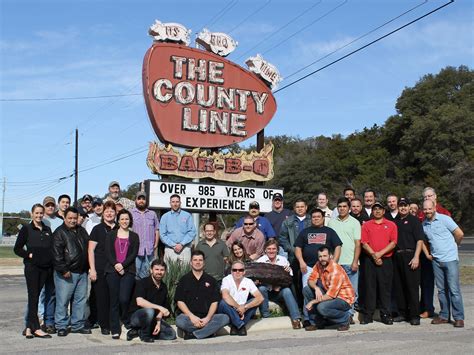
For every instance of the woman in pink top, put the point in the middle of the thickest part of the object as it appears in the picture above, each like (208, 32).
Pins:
(121, 250)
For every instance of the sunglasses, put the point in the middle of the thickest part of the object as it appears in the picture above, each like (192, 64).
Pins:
(238, 270)
(249, 224)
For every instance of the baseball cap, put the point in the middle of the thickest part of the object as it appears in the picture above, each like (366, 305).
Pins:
(87, 197)
(377, 204)
(49, 199)
(140, 194)
(277, 196)
(403, 201)
(97, 201)
(113, 183)
(254, 204)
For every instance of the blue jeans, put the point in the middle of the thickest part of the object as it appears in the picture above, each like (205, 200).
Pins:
(144, 320)
(217, 322)
(354, 279)
(304, 282)
(142, 263)
(336, 311)
(449, 290)
(75, 289)
(234, 316)
(276, 296)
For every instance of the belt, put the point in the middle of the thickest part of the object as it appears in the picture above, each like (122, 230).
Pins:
(404, 251)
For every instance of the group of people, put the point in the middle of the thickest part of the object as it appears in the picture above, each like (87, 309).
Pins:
(358, 256)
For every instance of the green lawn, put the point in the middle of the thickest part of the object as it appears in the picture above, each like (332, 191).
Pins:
(7, 252)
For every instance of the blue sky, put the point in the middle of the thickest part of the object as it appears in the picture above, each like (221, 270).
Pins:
(53, 49)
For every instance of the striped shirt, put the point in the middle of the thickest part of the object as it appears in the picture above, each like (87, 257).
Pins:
(335, 281)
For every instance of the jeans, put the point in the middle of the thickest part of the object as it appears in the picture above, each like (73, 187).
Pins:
(304, 282)
(120, 293)
(336, 311)
(217, 322)
(234, 316)
(354, 279)
(73, 288)
(449, 290)
(144, 320)
(285, 294)
(142, 263)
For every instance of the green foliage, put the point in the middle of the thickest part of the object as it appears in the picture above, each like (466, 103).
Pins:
(175, 271)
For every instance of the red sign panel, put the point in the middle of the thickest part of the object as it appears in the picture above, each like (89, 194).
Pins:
(198, 99)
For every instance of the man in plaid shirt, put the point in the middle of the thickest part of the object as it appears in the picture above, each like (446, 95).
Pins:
(329, 294)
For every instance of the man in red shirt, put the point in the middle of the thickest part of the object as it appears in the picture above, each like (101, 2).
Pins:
(378, 239)
(427, 275)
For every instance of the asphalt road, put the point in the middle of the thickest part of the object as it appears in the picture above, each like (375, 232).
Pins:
(371, 339)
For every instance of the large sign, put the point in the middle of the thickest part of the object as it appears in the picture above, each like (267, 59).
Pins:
(209, 197)
(198, 99)
(197, 164)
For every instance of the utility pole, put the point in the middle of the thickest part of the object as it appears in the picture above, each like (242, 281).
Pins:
(3, 205)
(76, 168)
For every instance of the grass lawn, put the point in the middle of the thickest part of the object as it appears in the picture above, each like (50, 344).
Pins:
(7, 252)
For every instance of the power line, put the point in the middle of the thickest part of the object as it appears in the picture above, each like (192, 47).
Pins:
(365, 46)
(253, 13)
(305, 27)
(281, 28)
(221, 13)
(68, 98)
(355, 40)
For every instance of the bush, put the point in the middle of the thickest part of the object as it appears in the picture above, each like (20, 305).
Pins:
(176, 269)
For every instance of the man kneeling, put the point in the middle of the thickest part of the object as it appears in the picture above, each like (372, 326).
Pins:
(149, 305)
(333, 295)
(197, 297)
(235, 303)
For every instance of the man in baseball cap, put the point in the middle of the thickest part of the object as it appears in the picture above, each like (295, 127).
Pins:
(114, 195)
(263, 224)
(86, 203)
(278, 213)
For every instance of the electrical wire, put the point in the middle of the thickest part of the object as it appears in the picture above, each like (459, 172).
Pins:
(363, 47)
(249, 16)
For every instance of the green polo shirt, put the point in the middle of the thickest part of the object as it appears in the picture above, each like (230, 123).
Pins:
(348, 231)
(214, 263)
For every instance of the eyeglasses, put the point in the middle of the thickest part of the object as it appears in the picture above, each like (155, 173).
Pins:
(249, 224)
(238, 270)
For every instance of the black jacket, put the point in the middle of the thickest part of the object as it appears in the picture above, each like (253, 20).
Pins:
(70, 249)
(38, 242)
(129, 262)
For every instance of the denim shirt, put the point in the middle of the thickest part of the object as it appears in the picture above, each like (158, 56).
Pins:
(439, 233)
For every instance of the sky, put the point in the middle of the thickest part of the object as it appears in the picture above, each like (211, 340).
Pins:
(70, 49)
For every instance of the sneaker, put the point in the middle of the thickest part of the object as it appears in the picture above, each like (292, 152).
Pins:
(189, 336)
(242, 331)
(233, 330)
(132, 334)
(116, 336)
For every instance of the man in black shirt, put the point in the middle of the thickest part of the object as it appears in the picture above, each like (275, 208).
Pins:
(407, 264)
(149, 305)
(358, 212)
(197, 298)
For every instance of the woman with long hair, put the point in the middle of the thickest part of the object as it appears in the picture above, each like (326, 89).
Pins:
(97, 263)
(38, 261)
(238, 253)
(121, 249)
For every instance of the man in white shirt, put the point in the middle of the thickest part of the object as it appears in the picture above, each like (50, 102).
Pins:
(235, 301)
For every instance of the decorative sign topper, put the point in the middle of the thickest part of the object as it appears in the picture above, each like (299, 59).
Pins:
(216, 42)
(196, 98)
(169, 32)
(265, 70)
(198, 164)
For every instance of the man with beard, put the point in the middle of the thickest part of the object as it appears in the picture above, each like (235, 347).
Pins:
(114, 195)
(445, 236)
(149, 306)
(333, 294)
(146, 225)
(358, 212)
(70, 275)
(197, 298)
